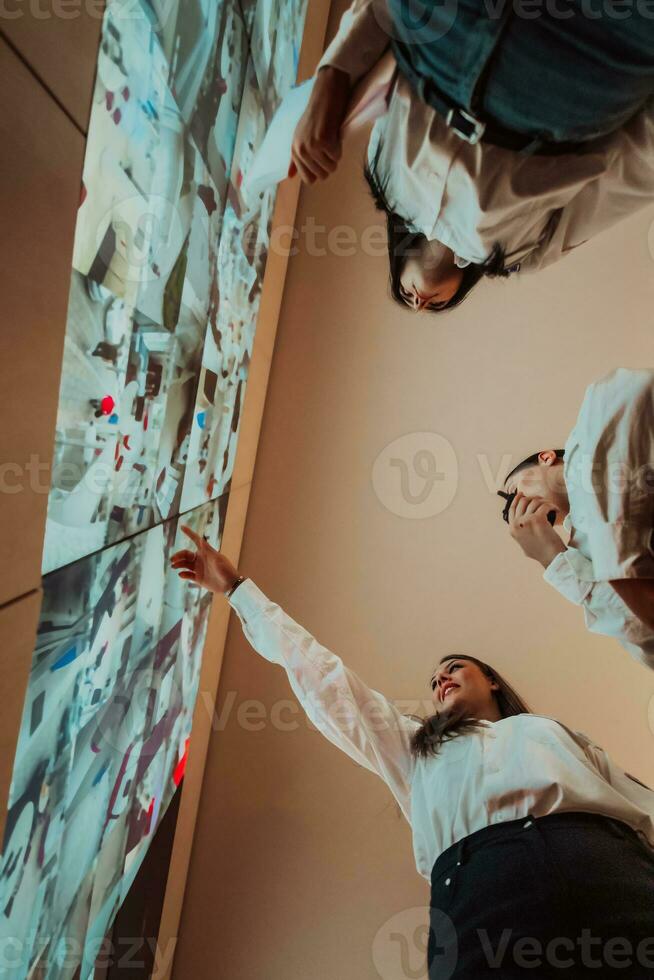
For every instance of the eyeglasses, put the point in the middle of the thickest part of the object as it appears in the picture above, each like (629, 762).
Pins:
(510, 497)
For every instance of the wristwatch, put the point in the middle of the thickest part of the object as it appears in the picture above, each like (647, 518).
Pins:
(235, 586)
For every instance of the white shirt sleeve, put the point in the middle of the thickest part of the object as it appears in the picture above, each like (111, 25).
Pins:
(355, 718)
(566, 573)
(610, 475)
(361, 39)
(628, 786)
(604, 610)
(625, 185)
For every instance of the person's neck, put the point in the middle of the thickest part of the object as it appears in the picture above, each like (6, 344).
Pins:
(491, 713)
(560, 492)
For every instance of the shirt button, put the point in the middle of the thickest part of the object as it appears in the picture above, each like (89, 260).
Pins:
(448, 881)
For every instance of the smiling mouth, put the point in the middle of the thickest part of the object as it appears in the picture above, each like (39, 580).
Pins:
(448, 689)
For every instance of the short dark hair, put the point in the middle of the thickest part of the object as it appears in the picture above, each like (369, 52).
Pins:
(530, 461)
(403, 243)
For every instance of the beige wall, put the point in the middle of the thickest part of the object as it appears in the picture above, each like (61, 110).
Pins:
(300, 857)
(58, 39)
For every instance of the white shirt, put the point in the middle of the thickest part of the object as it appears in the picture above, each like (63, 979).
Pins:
(505, 771)
(609, 475)
(470, 197)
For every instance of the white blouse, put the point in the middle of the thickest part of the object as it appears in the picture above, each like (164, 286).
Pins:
(471, 196)
(609, 475)
(527, 764)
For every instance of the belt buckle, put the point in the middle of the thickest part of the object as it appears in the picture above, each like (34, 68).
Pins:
(473, 128)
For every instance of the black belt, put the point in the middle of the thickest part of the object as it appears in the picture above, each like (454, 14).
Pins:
(456, 853)
(474, 129)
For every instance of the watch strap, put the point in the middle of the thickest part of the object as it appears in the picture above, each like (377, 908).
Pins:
(235, 586)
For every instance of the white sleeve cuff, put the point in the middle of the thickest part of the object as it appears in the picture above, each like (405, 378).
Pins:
(567, 574)
(248, 600)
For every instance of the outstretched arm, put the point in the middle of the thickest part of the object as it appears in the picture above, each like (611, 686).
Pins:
(358, 720)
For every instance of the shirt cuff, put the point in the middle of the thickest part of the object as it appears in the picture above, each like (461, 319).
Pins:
(566, 573)
(620, 550)
(248, 600)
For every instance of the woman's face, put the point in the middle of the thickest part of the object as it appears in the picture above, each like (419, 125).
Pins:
(430, 279)
(463, 683)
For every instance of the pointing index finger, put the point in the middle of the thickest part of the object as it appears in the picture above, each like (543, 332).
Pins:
(195, 538)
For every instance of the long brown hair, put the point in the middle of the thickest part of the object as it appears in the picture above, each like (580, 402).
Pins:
(403, 243)
(444, 725)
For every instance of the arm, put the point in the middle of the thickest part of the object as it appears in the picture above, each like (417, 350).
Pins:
(570, 573)
(358, 720)
(357, 47)
(361, 39)
(625, 784)
(625, 185)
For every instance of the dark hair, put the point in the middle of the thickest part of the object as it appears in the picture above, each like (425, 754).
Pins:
(448, 724)
(530, 461)
(404, 243)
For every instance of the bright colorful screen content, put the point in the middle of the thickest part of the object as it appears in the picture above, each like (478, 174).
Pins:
(167, 271)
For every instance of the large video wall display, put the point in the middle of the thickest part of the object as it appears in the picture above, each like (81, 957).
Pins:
(168, 265)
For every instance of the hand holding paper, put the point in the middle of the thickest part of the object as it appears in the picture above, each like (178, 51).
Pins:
(316, 145)
(348, 111)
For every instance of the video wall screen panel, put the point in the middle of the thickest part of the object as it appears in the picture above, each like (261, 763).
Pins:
(168, 265)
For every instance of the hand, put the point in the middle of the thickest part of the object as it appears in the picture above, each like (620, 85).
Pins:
(531, 529)
(317, 141)
(205, 566)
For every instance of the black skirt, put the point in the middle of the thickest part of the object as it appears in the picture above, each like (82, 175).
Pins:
(566, 895)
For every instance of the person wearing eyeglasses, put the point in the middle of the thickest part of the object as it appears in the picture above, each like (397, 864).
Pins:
(539, 849)
(513, 134)
(600, 491)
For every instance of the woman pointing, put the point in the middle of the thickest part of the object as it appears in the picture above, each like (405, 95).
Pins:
(534, 842)
(515, 131)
